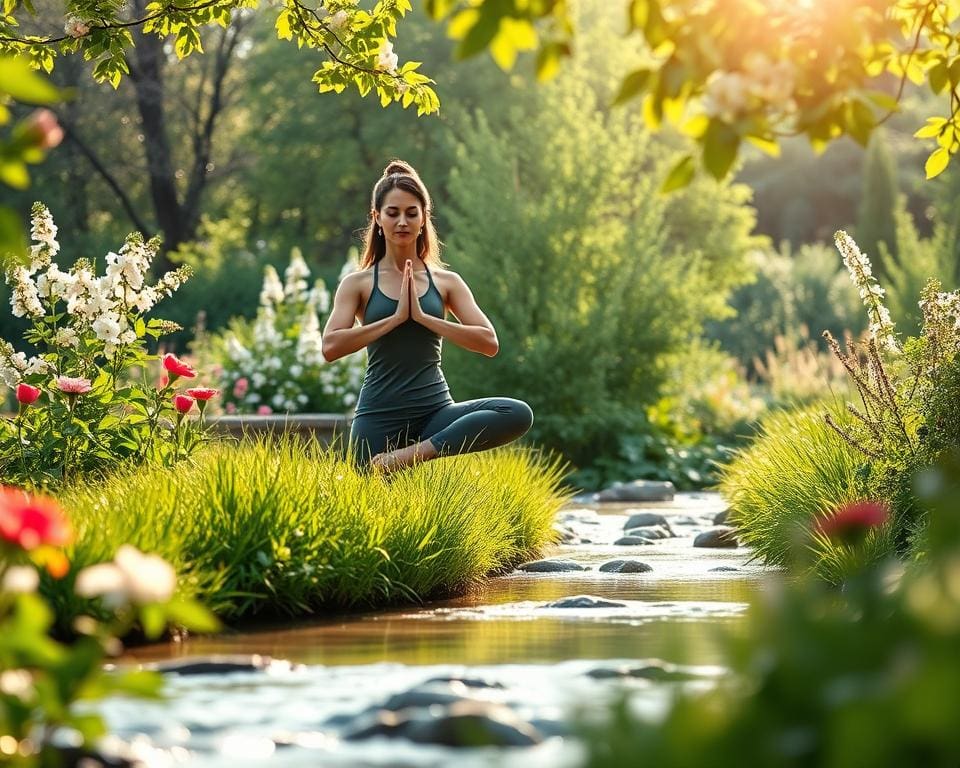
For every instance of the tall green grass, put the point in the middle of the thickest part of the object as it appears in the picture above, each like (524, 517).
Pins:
(289, 527)
(796, 470)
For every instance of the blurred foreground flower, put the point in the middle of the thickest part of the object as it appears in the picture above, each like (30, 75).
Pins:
(31, 521)
(132, 577)
(851, 522)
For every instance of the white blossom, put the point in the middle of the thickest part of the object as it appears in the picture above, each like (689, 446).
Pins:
(75, 27)
(726, 95)
(272, 291)
(66, 337)
(858, 265)
(337, 22)
(387, 60)
(17, 683)
(20, 579)
(25, 298)
(132, 577)
(108, 327)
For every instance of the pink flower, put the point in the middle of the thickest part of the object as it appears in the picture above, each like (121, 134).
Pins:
(230, 408)
(73, 386)
(27, 395)
(31, 521)
(176, 367)
(202, 393)
(850, 522)
(43, 129)
(264, 410)
(240, 387)
(182, 403)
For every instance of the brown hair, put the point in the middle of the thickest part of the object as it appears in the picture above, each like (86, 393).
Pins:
(400, 175)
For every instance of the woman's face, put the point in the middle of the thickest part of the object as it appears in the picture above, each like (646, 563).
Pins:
(401, 217)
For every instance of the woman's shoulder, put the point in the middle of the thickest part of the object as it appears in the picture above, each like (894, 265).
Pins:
(445, 275)
(357, 278)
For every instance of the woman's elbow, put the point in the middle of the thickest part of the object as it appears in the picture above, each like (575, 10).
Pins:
(329, 350)
(493, 347)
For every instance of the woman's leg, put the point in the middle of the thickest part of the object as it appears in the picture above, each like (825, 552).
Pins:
(474, 425)
(370, 435)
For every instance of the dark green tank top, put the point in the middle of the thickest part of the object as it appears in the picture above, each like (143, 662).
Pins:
(403, 375)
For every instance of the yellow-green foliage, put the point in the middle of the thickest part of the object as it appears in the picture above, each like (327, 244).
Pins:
(289, 527)
(796, 470)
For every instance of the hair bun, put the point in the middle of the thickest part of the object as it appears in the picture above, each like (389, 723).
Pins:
(399, 166)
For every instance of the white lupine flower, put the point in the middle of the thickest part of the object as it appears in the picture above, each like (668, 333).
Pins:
(39, 258)
(295, 370)
(319, 297)
(294, 277)
(387, 60)
(145, 299)
(43, 230)
(258, 379)
(236, 351)
(858, 265)
(24, 299)
(349, 267)
(272, 291)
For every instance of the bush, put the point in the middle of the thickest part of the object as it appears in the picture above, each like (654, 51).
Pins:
(275, 363)
(81, 411)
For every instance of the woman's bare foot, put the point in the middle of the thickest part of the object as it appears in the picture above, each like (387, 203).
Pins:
(392, 461)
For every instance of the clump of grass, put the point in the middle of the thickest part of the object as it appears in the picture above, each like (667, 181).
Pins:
(289, 527)
(796, 470)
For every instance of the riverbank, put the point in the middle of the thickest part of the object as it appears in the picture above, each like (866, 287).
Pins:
(287, 528)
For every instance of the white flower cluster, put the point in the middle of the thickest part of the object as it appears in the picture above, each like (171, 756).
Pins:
(14, 366)
(104, 306)
(279, 366)
(943, 310)
(387, 60)
(760, 83)
(871, 294)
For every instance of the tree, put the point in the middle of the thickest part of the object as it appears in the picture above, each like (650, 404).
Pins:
(735, 71)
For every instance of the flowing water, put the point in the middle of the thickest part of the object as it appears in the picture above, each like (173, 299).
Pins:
(503, 652)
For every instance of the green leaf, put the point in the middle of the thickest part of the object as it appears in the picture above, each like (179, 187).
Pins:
(22, 83)
(720, 146)
(153, 619)
(680, 175)
(938, 76)
(479, 35)
(513, 36)
(632, 84)
(937, 162)
(193, 616)
(933, 128)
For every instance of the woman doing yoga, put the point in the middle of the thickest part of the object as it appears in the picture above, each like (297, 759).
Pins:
(400, 296)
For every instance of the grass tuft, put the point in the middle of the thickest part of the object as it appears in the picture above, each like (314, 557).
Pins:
(289, 527)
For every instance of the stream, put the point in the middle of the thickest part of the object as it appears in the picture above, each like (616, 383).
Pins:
(515, 663)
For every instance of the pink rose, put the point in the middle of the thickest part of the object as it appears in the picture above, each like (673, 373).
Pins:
(230, 408)
(31, 521)
(240, 387)
(264, 410)
(73, 386)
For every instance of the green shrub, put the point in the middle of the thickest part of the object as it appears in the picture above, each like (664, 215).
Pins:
(292, 528)
(796, 470)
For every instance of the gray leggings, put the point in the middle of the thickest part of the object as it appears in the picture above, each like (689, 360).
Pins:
(473, 425)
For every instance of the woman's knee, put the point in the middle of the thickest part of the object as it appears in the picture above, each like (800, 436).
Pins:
(521, 415)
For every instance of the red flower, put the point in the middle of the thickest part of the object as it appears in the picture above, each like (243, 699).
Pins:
(31, 521)
(182, 403)
(26, 394)
(176, 367)
(850, 522)
(202, 393)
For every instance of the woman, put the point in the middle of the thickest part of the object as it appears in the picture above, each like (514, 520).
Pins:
(405, 413)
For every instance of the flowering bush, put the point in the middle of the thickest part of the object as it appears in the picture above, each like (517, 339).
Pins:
(79, 408)
(903, 422)
(275, 363)
(41, 680)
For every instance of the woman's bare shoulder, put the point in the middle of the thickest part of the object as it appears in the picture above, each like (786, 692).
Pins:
(445, 275)
(358, 279)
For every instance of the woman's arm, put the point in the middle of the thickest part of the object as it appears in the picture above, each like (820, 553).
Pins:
(474, 331)
(340, 336)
